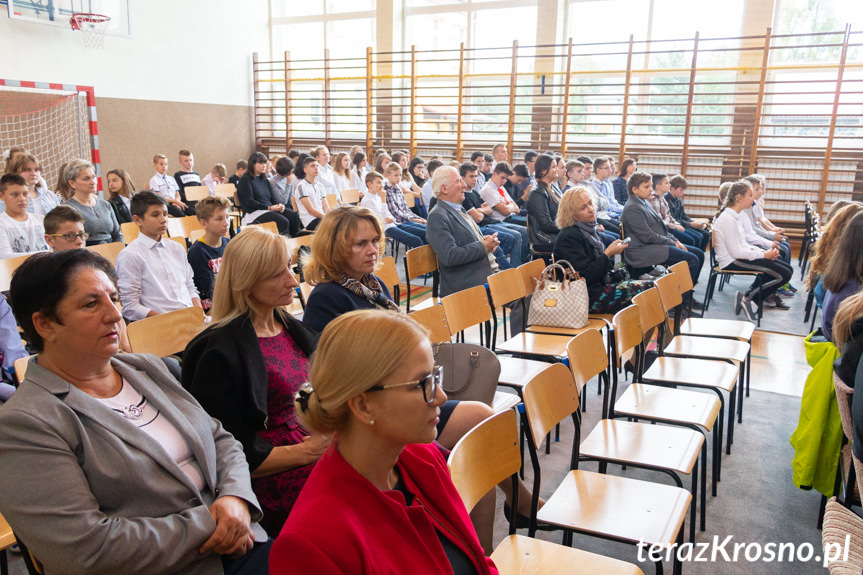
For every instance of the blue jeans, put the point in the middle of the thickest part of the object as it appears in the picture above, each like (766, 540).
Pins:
(507, 242)
(410, 234)
(608, 238)
(520, 252)
(691, 257)
(687, 238)
(517, 219)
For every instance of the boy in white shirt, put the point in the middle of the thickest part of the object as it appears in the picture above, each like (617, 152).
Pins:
(504, 208)
(167, 187)
(216, 176)
(154, 275)
(410, 234)
(20, 233)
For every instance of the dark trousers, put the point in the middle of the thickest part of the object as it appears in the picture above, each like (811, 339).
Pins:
(255, 562)
(288, 221)
(773, 275)
(612, 226)
(694, 258)
(689, 237)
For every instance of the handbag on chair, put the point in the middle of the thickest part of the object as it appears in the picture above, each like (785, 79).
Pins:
(470, 371)
(559, 303)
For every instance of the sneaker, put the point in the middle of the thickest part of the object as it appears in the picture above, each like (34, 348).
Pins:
(738, 303)
(785, 292)
(790, 287)
(657, 271)
(749, 309)
(646, 277)
(775, 302)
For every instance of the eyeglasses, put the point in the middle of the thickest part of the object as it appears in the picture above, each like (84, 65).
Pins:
(70, 237)
(429, 384)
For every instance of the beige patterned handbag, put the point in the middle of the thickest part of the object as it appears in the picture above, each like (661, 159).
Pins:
(559, 303)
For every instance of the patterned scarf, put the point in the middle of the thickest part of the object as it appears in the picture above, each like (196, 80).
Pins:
(589, 231)
(369, 288)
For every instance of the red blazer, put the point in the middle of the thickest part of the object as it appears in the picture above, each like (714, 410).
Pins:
(341, 523)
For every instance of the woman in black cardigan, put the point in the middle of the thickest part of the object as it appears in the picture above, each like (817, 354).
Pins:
(247, 366)
(259, 201)
(580, 244)
(542, 206)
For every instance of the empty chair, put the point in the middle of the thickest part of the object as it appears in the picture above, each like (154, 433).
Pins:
(419, 262)
(166, 333)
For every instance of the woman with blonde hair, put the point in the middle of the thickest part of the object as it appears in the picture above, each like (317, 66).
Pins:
(245, 368)
(391, 506)
(120, 192)
(100, 223)
(580, 243)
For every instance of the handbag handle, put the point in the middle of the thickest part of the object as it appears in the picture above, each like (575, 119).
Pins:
(568, 272)
(472, 364)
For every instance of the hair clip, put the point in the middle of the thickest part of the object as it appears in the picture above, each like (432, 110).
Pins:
(303, 395)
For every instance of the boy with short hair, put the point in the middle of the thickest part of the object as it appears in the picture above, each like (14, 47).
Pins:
(64, 229)
(205, 255)
(587, 171)
(395, 197)
(187, 176)
(574, 174)
(410, 234)
(20, 233)
(242, 166)
(216, 176)
(674, 197)
(154, 275)
(167, 187)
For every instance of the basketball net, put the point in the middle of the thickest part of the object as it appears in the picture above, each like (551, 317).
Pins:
(93, 26)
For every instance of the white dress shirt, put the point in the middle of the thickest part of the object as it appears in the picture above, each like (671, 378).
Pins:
(326, 176)
(728, 240)
(379, 207)
(749, 233)
(164, 185)
(154, 275)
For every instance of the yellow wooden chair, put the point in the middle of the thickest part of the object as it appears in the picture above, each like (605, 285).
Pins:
(130, 231)
(108, 251)
(7, 268)
(196, 193)
(351, 196)
(419, 262)
(166, 333)
(183, 227)
(388, 273)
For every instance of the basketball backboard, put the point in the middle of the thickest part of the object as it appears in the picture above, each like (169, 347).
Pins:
(59, 12)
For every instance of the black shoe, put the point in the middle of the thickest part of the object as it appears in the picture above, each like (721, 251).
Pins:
(749, 309)
(738, 303)
(775, 302)
(696, 305)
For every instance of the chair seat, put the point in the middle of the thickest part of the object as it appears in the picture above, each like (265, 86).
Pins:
(671, 405)
(658, 446)
(535, 344)
(520, 555)
(724, 349)
(734, 272)
(727, 328)
(693, 372)
(7, 538)
(516, 372)
(503, 401)
(622, 508)
(592, 323)
(427, 303)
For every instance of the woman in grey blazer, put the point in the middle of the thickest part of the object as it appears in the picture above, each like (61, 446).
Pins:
(106, 464)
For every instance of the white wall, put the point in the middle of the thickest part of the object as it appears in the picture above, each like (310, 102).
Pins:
(180, 51)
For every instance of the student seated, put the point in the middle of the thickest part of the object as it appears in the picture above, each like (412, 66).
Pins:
(154, 274)
(513, 249)
(514, 184)
(216, 176)
(627, 168)
(395, 196)
(696, 228)
(426, 192)
(205, 255)
(608, 210)
(409, 233)
(120, 192)
(359, 168)
(391, 505)
(574, 170)
(99, 219)
(844, 273)
(20, 233)
(167, 187)
(504, 208)
(310, 192)
(342, 172)
(42, 200)
(242, 166)
(657, 201)
(187, 176)
(542, 204)
(259, 202)
(284, 181)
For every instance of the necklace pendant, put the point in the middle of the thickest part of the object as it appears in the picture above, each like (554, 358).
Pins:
(133, 412)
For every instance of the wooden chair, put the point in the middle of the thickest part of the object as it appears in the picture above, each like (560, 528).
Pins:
(7, 268)
(388, 273)
(269, 226)
(294, 245)
(665, 448)
(130, 231)
(333, 200)
(182, 241)
(351, 196)
(419, 262)
(607, 506)
(698, 411)
(21, 367)
(108, 251)
(196, 193)
(843, 527)
(195, 235)
(486, 456)
(410, 199)
(304, 290)
(182, 227)
(225, 190)
(717, 272)
(845, 470)
(7, 540)
(167, 333)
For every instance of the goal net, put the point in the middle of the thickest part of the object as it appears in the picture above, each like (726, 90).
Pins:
(53, 125)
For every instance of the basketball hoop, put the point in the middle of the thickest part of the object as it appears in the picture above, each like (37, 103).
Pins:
(94, 27)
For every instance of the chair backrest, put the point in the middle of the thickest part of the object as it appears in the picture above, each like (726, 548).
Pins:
(843, 399)
(305, 290)
(226, 190)
(549, 398)
(180, 240)
(466, 308)
(294, 245)
(21, 367)
(351, 196)
(627, 329)
(433, 318)
(420, 261)
(506, 286)
(7, 268)
(410, 199)
(269, 226)
(130, 231)
(166, 333)
(684, 279)
(669, 291)
(388, 273)
(332, 200)
(530, 273)
(587, 356)
(195, 235)
(485, 456)
(649, 309)
(182, 227)
(108, 251)
(294, 204)
(195, 193)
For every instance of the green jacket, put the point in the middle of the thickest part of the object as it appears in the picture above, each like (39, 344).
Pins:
(818, 437)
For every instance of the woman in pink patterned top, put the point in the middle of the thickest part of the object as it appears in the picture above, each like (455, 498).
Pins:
(246, 367)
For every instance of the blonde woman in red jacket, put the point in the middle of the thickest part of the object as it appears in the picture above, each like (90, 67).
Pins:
(381, 500)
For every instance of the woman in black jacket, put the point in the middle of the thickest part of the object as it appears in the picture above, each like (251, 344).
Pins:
(260, 203)
(120, 192)
(542, 206)
(580, 244)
